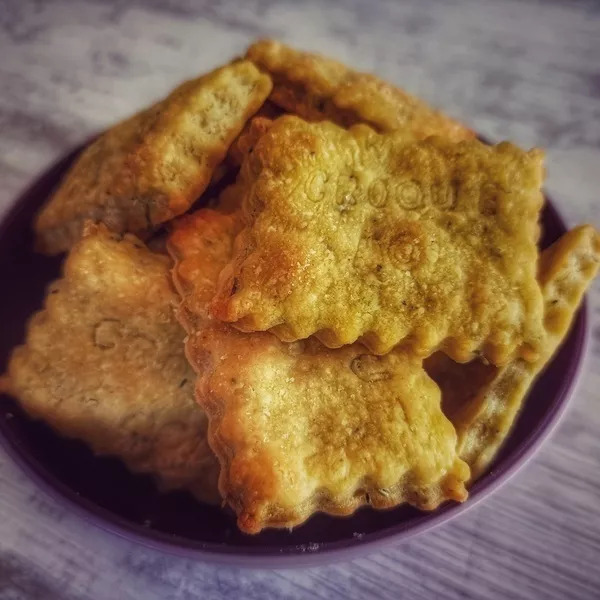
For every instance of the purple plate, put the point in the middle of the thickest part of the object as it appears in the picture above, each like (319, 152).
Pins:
(104, 492)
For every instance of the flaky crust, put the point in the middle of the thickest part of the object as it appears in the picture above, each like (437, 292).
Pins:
(351, 235)
(483, 401)
(153, 166)
(300, 428)
(104, 362)
(245, 142)
(318, 88)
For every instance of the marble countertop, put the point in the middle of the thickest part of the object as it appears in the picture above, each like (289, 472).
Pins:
(524, 70)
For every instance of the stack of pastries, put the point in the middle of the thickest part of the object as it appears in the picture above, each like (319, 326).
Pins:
(290, 287)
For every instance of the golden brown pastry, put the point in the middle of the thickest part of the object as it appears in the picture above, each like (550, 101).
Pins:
(351, 235)
(104, 362)
(245, 142)
(300, 428)
(483, 401)
(153, 166)
(317, 88)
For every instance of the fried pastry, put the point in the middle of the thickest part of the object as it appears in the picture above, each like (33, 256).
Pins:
(318, 88)
(300, 428)
(104, 362)
(482, 401)
(352, 235)
(153, 166)
(245, 142)
(228, 200)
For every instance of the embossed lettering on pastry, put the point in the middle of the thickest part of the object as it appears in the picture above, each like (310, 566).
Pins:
(153, 166)
(317, 88)
(483, 401)
(104, 362)
(300, 428)
(352, 235)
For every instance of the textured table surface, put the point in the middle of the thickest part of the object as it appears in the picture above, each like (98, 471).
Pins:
(528, 71)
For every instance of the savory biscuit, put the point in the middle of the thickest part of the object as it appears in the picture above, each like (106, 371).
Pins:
(352, 235)
(153, 166)
(228, 198)
(245, 142)
(318, 88)
(482, 401)
(300, 428)
(104, 362)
